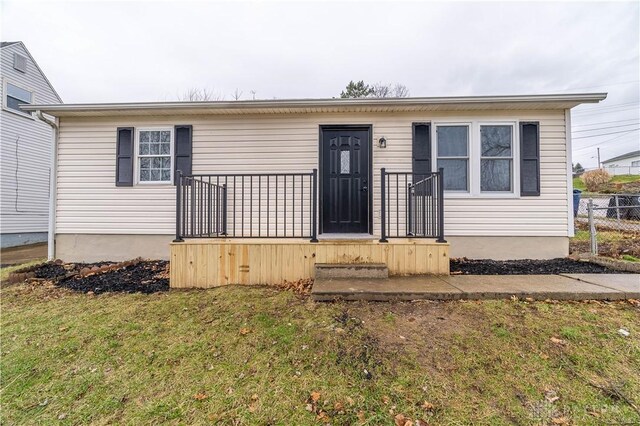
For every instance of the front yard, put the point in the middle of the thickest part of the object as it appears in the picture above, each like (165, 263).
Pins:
(256, 355)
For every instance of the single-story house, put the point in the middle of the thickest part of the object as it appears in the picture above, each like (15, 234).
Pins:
(625, 164)
(261, 191)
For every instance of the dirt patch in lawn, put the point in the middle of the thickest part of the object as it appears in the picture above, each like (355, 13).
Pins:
(526, 267)
(613, 242)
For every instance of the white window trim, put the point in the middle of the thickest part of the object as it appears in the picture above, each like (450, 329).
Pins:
(434, 149)
(136, 166)
(24, 114)
(475, 152)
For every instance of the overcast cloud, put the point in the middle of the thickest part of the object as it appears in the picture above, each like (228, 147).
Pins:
(144, 51)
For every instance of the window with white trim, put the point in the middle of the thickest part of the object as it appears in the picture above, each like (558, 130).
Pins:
(154, 155)
(16, 96)
(496, 158)
(453, 156)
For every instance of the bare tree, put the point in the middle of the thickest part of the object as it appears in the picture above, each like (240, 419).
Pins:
(400, 91)
(253, 93)
(196, 94)
(381, 90)
(236, 95)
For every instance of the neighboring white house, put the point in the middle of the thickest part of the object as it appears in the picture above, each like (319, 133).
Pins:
(26, 148)
(625, 164)
(506, 160)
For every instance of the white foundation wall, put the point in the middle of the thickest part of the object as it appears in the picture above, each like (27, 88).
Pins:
(88, 202)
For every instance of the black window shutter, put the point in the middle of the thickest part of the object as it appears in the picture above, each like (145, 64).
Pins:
(421, 148)
(529, 158)
(124, 156)
(183, 150)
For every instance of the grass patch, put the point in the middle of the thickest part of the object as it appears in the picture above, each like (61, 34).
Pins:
(620, 179)
(625, 179)
(4, 272)
(254, 355)
(630, 258)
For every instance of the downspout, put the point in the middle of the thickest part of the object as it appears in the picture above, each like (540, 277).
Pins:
(52, 186)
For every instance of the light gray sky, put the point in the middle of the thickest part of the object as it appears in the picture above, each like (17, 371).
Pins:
(148, 51)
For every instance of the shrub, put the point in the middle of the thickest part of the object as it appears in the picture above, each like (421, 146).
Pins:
(593, 179)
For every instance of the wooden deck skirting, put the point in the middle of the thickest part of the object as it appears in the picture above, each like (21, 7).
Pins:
(205, 263)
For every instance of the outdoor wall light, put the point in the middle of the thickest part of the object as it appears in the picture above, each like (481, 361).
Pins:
(382, 142)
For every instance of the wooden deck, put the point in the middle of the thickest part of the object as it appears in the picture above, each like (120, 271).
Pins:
(205, 263)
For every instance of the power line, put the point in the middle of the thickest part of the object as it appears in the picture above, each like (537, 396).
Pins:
(603, 122)
(591, 112)
(605, 134)
(603, 142)
(609, 127)
(598, 106)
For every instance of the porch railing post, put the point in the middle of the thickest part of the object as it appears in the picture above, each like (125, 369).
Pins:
(441, 206)
(224, 209)
(178, 208)
(409, 210)
(383, 207)
(314, 208)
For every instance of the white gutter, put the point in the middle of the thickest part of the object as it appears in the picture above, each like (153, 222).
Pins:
(576, 98)
(52, 186)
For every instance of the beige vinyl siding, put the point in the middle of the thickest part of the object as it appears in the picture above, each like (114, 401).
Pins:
(25, 152)
(89, 203)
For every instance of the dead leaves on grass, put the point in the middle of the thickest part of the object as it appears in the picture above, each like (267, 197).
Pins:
(301, 287)
(200, 396)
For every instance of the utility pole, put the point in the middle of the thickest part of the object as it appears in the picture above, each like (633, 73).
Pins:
(598, 157)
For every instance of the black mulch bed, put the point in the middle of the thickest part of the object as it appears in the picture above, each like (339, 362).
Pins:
(143, 277)
(526, 267)
(54, 271)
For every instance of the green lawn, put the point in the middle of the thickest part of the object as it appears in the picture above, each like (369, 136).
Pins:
(579, 184)
(255, 355)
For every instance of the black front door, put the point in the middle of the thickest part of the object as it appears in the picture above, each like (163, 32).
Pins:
(345, 175)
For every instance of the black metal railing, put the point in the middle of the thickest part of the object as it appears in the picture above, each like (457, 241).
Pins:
(412, 205)
(249, 205)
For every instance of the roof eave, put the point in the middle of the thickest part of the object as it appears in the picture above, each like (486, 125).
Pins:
(569, 101)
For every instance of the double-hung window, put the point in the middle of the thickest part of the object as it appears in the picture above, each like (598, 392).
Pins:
(453, 156)
(154, 156)
(496, 158)
(16, 96)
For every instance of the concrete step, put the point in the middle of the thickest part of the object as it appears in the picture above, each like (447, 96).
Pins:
(356, 270)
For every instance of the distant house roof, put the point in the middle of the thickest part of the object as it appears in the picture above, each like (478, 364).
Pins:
(623, 156)
(288, 106)
(4, 44)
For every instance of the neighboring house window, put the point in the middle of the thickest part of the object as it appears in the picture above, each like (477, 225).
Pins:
(496, 158)
(155, 156)
(453, 156)
(16, 96)
(635, 163)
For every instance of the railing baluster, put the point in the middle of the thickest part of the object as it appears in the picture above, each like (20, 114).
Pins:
(178, 209)
(383, 208)
(441, 206)
(314, 209)
(251, 206)
(260, 206)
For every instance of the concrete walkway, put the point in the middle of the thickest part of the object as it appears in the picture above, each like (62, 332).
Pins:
(475, 287)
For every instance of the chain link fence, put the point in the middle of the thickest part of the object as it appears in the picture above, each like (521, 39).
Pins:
(609, 225)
